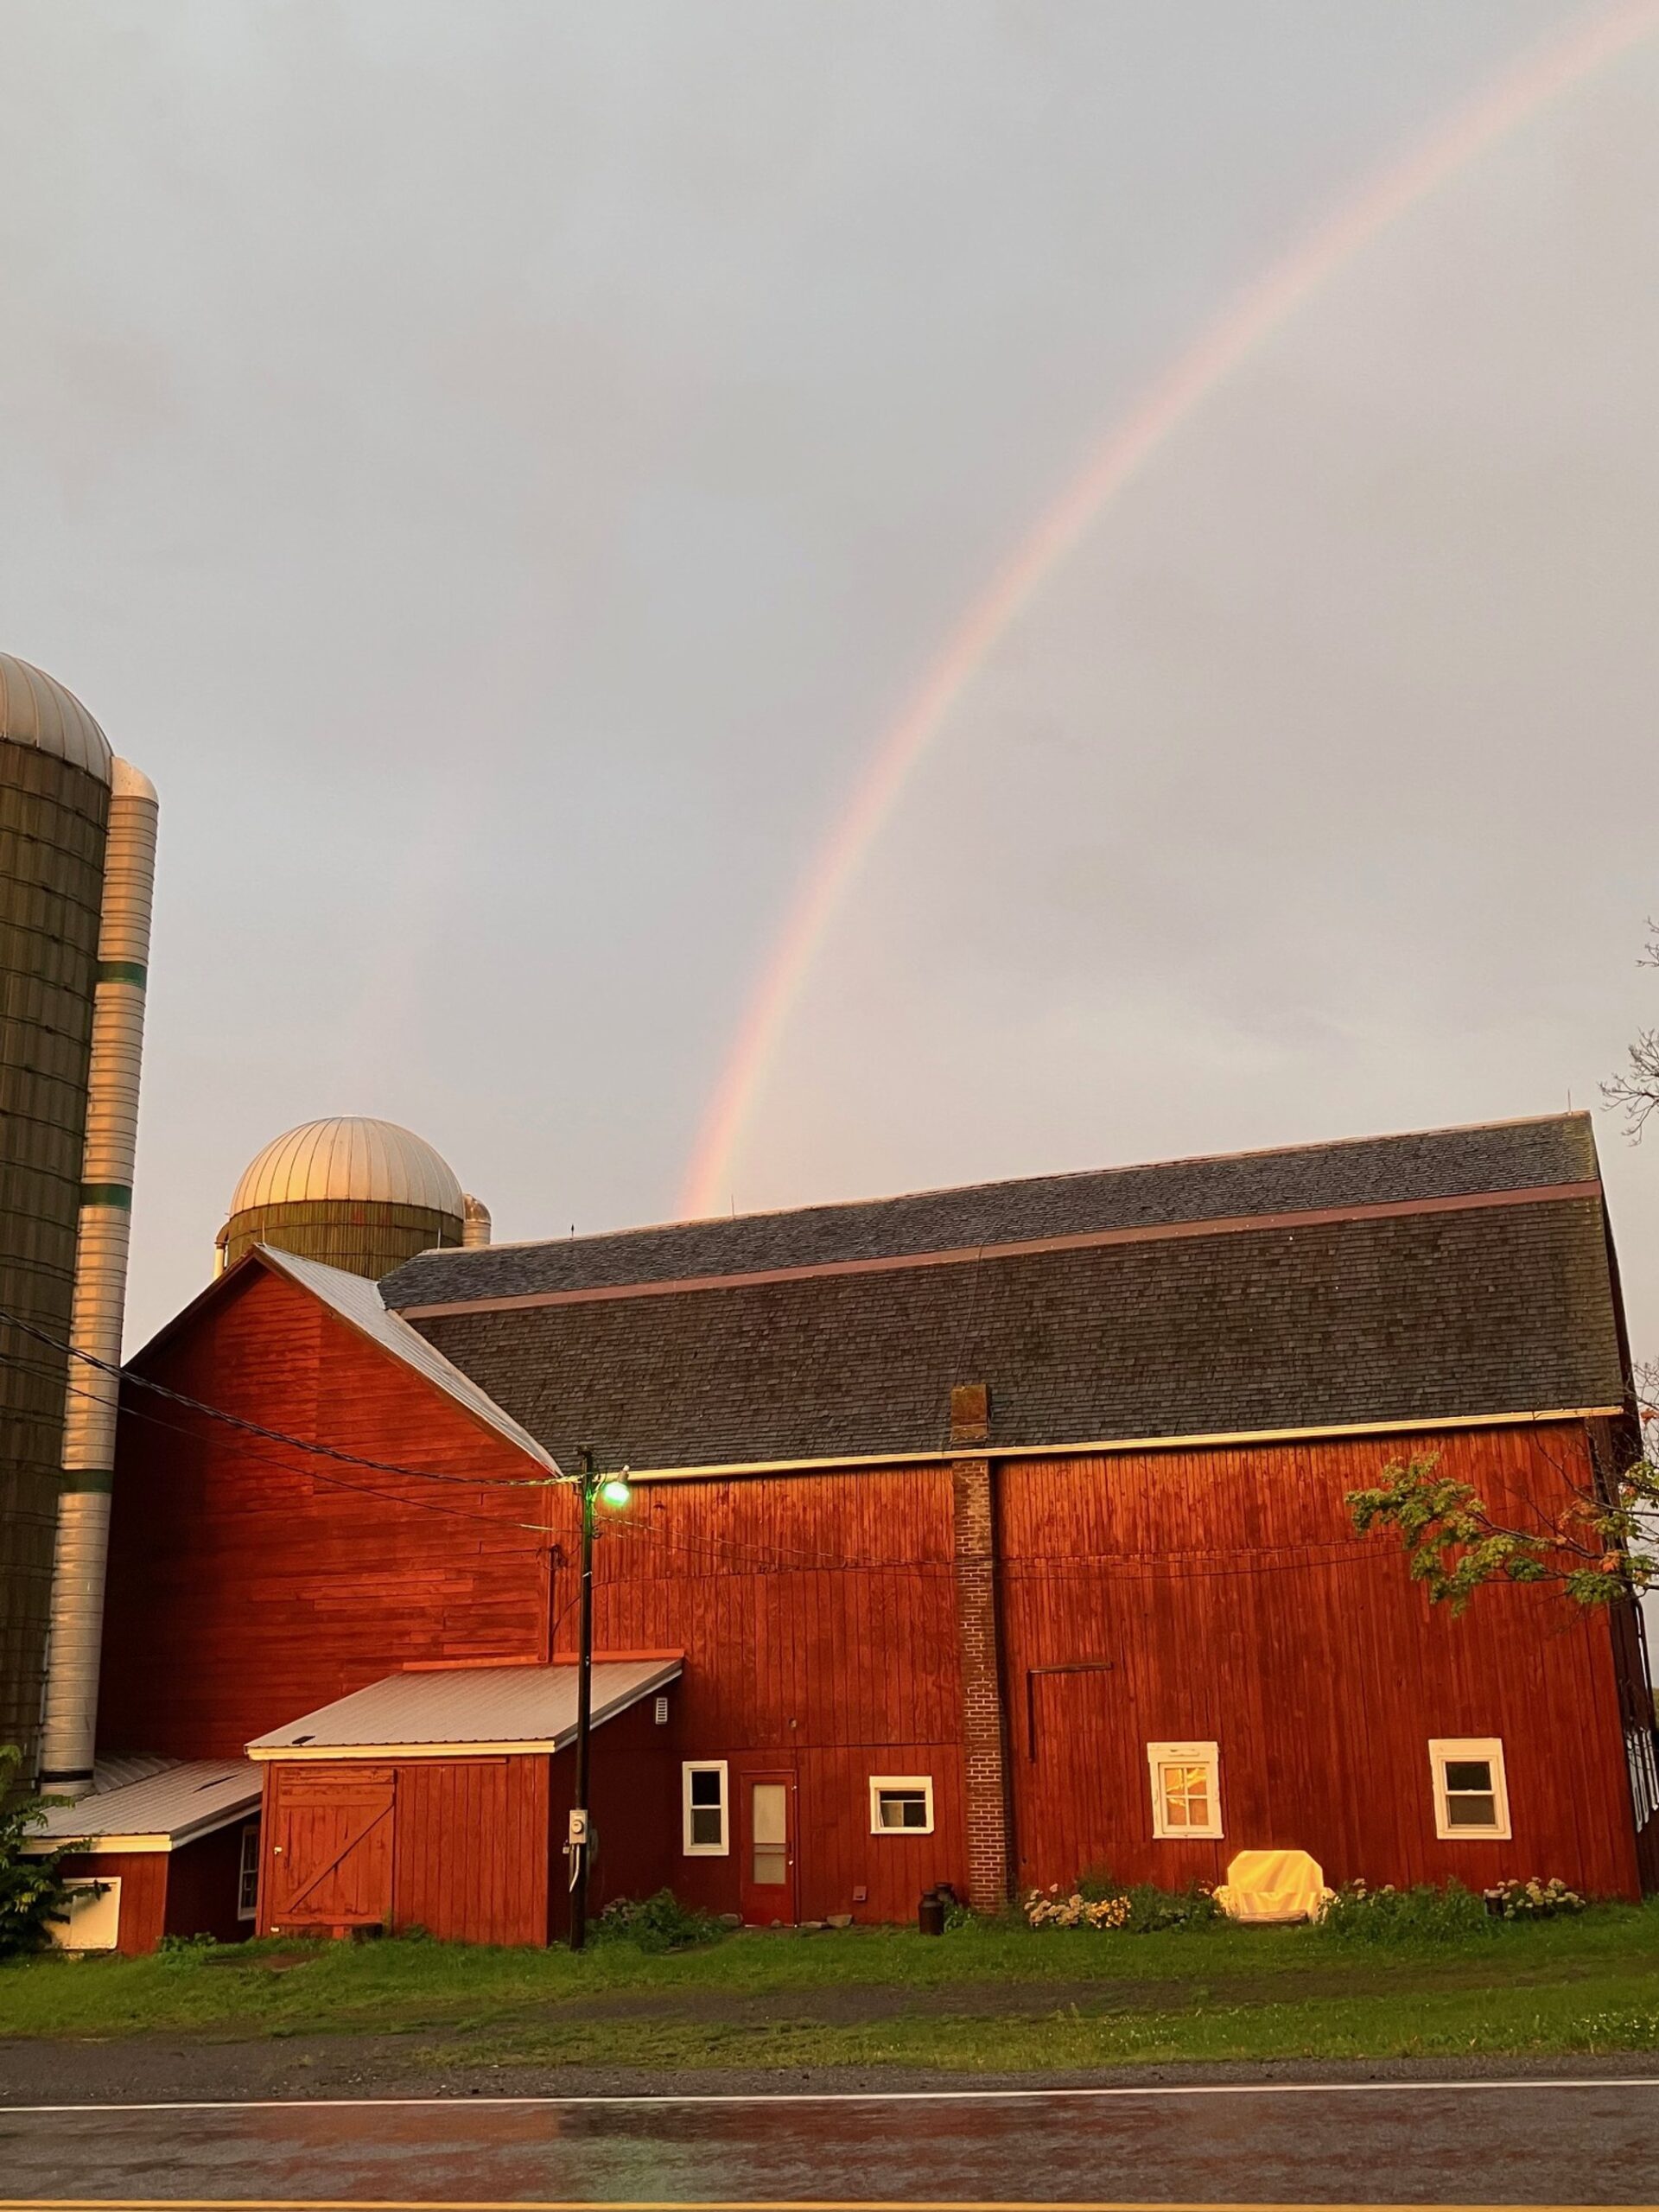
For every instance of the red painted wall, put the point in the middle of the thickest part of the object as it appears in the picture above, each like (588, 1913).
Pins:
(143, 1876)
(249, 1583)
(818, 1615)
(190, 1891)
(1322, 1684)
(202, 1882)
(634, 1787)
(470, 1849)
(460, 1852)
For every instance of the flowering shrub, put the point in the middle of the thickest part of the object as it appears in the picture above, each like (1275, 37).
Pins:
(1048, 1909)
(1137, 1910)
(1533, 1900)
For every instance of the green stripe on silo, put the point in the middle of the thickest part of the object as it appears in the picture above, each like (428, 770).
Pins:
(88, 1478)
(124, 971)
(107, 1194)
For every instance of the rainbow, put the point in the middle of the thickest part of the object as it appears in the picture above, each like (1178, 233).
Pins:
(1533, 82)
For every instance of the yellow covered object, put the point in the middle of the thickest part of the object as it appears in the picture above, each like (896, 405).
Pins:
(1272, 1885)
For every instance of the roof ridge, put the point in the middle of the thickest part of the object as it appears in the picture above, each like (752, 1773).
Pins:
(452, 1254)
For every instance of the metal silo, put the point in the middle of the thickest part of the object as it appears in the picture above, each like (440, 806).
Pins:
(358, 1194)
(55, 767)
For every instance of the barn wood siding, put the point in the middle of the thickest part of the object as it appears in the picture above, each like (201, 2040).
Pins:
(189, 1891)
(470, 1849)
(634, 1798)
(1321, 1683)
(838, 1852)
(247, 1584)
(202, 1882)
(816, 1611)
(143, 1876)
(818, 1616)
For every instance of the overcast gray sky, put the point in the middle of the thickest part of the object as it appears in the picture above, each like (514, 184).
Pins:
(501, 467)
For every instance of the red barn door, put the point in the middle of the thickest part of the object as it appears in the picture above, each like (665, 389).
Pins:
(331, 1847)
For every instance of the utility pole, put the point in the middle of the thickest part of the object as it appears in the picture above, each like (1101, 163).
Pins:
(579, 1822)
(614, 1491)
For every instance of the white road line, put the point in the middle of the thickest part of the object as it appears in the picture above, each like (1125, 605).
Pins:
(462, 2100)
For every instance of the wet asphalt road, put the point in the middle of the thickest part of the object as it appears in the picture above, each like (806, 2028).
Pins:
(1534, 2142)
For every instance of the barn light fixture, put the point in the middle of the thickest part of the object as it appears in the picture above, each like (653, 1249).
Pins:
(614, 1492)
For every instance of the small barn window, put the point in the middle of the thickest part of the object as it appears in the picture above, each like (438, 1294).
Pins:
(901, 1804)
(1471, 1797)
(703, 1785)
(1185, 1789)
(247, 1879)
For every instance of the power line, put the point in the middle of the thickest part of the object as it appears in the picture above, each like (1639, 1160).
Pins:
(1027, 1568)
(1050, 1566)
(310, 1474)
(776, 1557)
(277, 1435)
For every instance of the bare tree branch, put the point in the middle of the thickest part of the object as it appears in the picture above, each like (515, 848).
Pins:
(1636, 1090)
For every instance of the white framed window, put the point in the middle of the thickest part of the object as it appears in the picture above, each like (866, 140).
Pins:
(703, 1801)
(247, 1879)
(1471, 1797)
(1185, 1789)
(901, 1804)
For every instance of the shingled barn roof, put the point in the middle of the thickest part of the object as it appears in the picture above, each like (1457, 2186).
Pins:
(1443, 1276)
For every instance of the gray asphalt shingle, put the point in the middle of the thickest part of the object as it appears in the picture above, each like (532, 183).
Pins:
(1425, 1315)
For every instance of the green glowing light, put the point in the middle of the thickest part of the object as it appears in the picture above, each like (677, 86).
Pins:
(614, 1492)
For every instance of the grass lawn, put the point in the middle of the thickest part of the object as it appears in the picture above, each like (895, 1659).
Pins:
(982, 1997)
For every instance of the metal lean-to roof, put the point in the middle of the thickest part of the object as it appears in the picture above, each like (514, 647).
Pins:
(349, 1157)
(158, 1811)
(357, 1301)
(425, 1714)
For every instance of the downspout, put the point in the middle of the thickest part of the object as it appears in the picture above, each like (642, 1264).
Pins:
(82, 1553)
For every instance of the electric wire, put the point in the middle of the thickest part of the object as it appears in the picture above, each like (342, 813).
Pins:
(312, 1474)
(775, 1557)
(786, 1558)
(277, 1435)
(1049, 1566)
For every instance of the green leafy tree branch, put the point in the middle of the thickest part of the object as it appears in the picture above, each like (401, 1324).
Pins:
(1597, 1545)
(33, 1891)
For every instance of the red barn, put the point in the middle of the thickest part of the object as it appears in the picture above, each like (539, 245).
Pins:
(980, 1536)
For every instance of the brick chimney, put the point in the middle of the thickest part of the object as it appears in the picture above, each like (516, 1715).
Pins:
(984, 1730)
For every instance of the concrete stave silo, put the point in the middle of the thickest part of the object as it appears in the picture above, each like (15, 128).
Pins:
(81, 1548)
(55, 771)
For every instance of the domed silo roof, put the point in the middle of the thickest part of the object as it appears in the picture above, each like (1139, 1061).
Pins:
(36, 709)
(354, 1193)
(349, 1158)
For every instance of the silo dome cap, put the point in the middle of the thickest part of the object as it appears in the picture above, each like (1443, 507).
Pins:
(376, 1162)
(36, 709)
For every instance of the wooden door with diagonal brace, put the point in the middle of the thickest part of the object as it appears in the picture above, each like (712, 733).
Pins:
(330, 1864)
